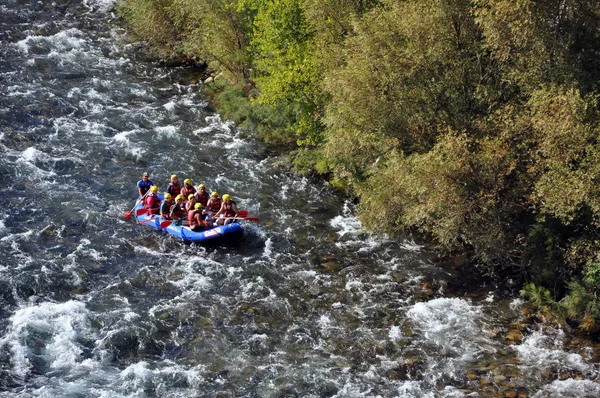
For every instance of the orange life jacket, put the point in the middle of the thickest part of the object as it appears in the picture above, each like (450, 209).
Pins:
(202, 197)
(185, 191)
(214, 205)
(228, 207)
(192, 221)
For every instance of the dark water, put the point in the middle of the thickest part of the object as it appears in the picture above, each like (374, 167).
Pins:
(305, 305)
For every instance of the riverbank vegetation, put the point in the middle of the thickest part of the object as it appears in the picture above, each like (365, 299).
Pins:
(475, 123)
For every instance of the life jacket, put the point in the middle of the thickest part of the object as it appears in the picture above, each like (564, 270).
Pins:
(228, 207)
(192, 222)
(174, 189)
(177, 211)
(185, 191)
(214, 205)
(152, 203)
(165, 206)
(202, 197)
(189, 205)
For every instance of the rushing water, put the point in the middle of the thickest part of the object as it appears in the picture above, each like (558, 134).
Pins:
(305, 305)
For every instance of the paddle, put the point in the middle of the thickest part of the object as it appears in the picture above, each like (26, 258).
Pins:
(163, 224)
(242, 215)
(127, 215)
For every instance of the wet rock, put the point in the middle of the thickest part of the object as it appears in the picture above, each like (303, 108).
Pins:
(175, 277)
(515, 334)
(332, 266)
(78, 290)
(510, 394)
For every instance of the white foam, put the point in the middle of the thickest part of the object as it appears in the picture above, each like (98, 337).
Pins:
(346, 225)
(453, 325)
(569, 388)
(63, 41)
(268, 251)
(395, 333)
(123, 136)
(541, 351)
(56, 326)
(170, 106)
(103, 5)
(166, 131)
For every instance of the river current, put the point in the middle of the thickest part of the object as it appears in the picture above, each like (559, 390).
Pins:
(305, 305)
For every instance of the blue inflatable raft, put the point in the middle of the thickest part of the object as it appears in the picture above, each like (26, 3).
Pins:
(212, 235)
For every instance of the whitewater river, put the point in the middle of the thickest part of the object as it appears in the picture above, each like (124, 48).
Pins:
(306, 305)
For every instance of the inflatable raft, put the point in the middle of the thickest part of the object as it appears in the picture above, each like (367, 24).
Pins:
(211, 235)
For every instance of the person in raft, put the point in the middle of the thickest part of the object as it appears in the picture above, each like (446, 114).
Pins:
(201, 195)
(195, 221)
(173, 188)
(177, 210)
(152, 202)
(165, 207)
(188, 188)
(227, 212)
(213, 205)
(144, 184)
(189, 205)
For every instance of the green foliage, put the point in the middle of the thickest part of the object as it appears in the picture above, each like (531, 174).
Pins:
(211, 31)
(149, 20)
(286, 68)
(582, 303)
(541, 298)
(461, 193)
(411, 73)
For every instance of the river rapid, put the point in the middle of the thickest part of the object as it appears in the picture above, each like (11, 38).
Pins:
(305, 305)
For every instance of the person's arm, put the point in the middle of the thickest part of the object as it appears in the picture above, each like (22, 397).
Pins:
(220, 210)
(234, 208)
(139, 189)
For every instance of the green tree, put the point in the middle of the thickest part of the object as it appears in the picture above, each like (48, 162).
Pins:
(412, 70)
(286, 69)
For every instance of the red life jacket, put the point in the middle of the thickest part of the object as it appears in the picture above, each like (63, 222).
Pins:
(152, 203)
(185, 191)
(174, 189)
(192, 221)
(214, 205)
(177, 211)
(202, 197)
(228, 207)
(192, 218)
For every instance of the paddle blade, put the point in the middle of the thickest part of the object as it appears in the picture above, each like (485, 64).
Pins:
(243, 213)
(165, 224)
(139, 212)
(127, 215)
(251, 219)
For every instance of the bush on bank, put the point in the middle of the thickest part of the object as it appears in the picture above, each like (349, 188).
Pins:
(473, 122)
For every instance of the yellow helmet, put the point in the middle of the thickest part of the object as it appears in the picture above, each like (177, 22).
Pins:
(226, 197)
(173, 176)
(197, 206)
(153, 188)
(179, 197)
(167, 196)
(200, 186)
(187, 181)
(190, 196)
(214, 194)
